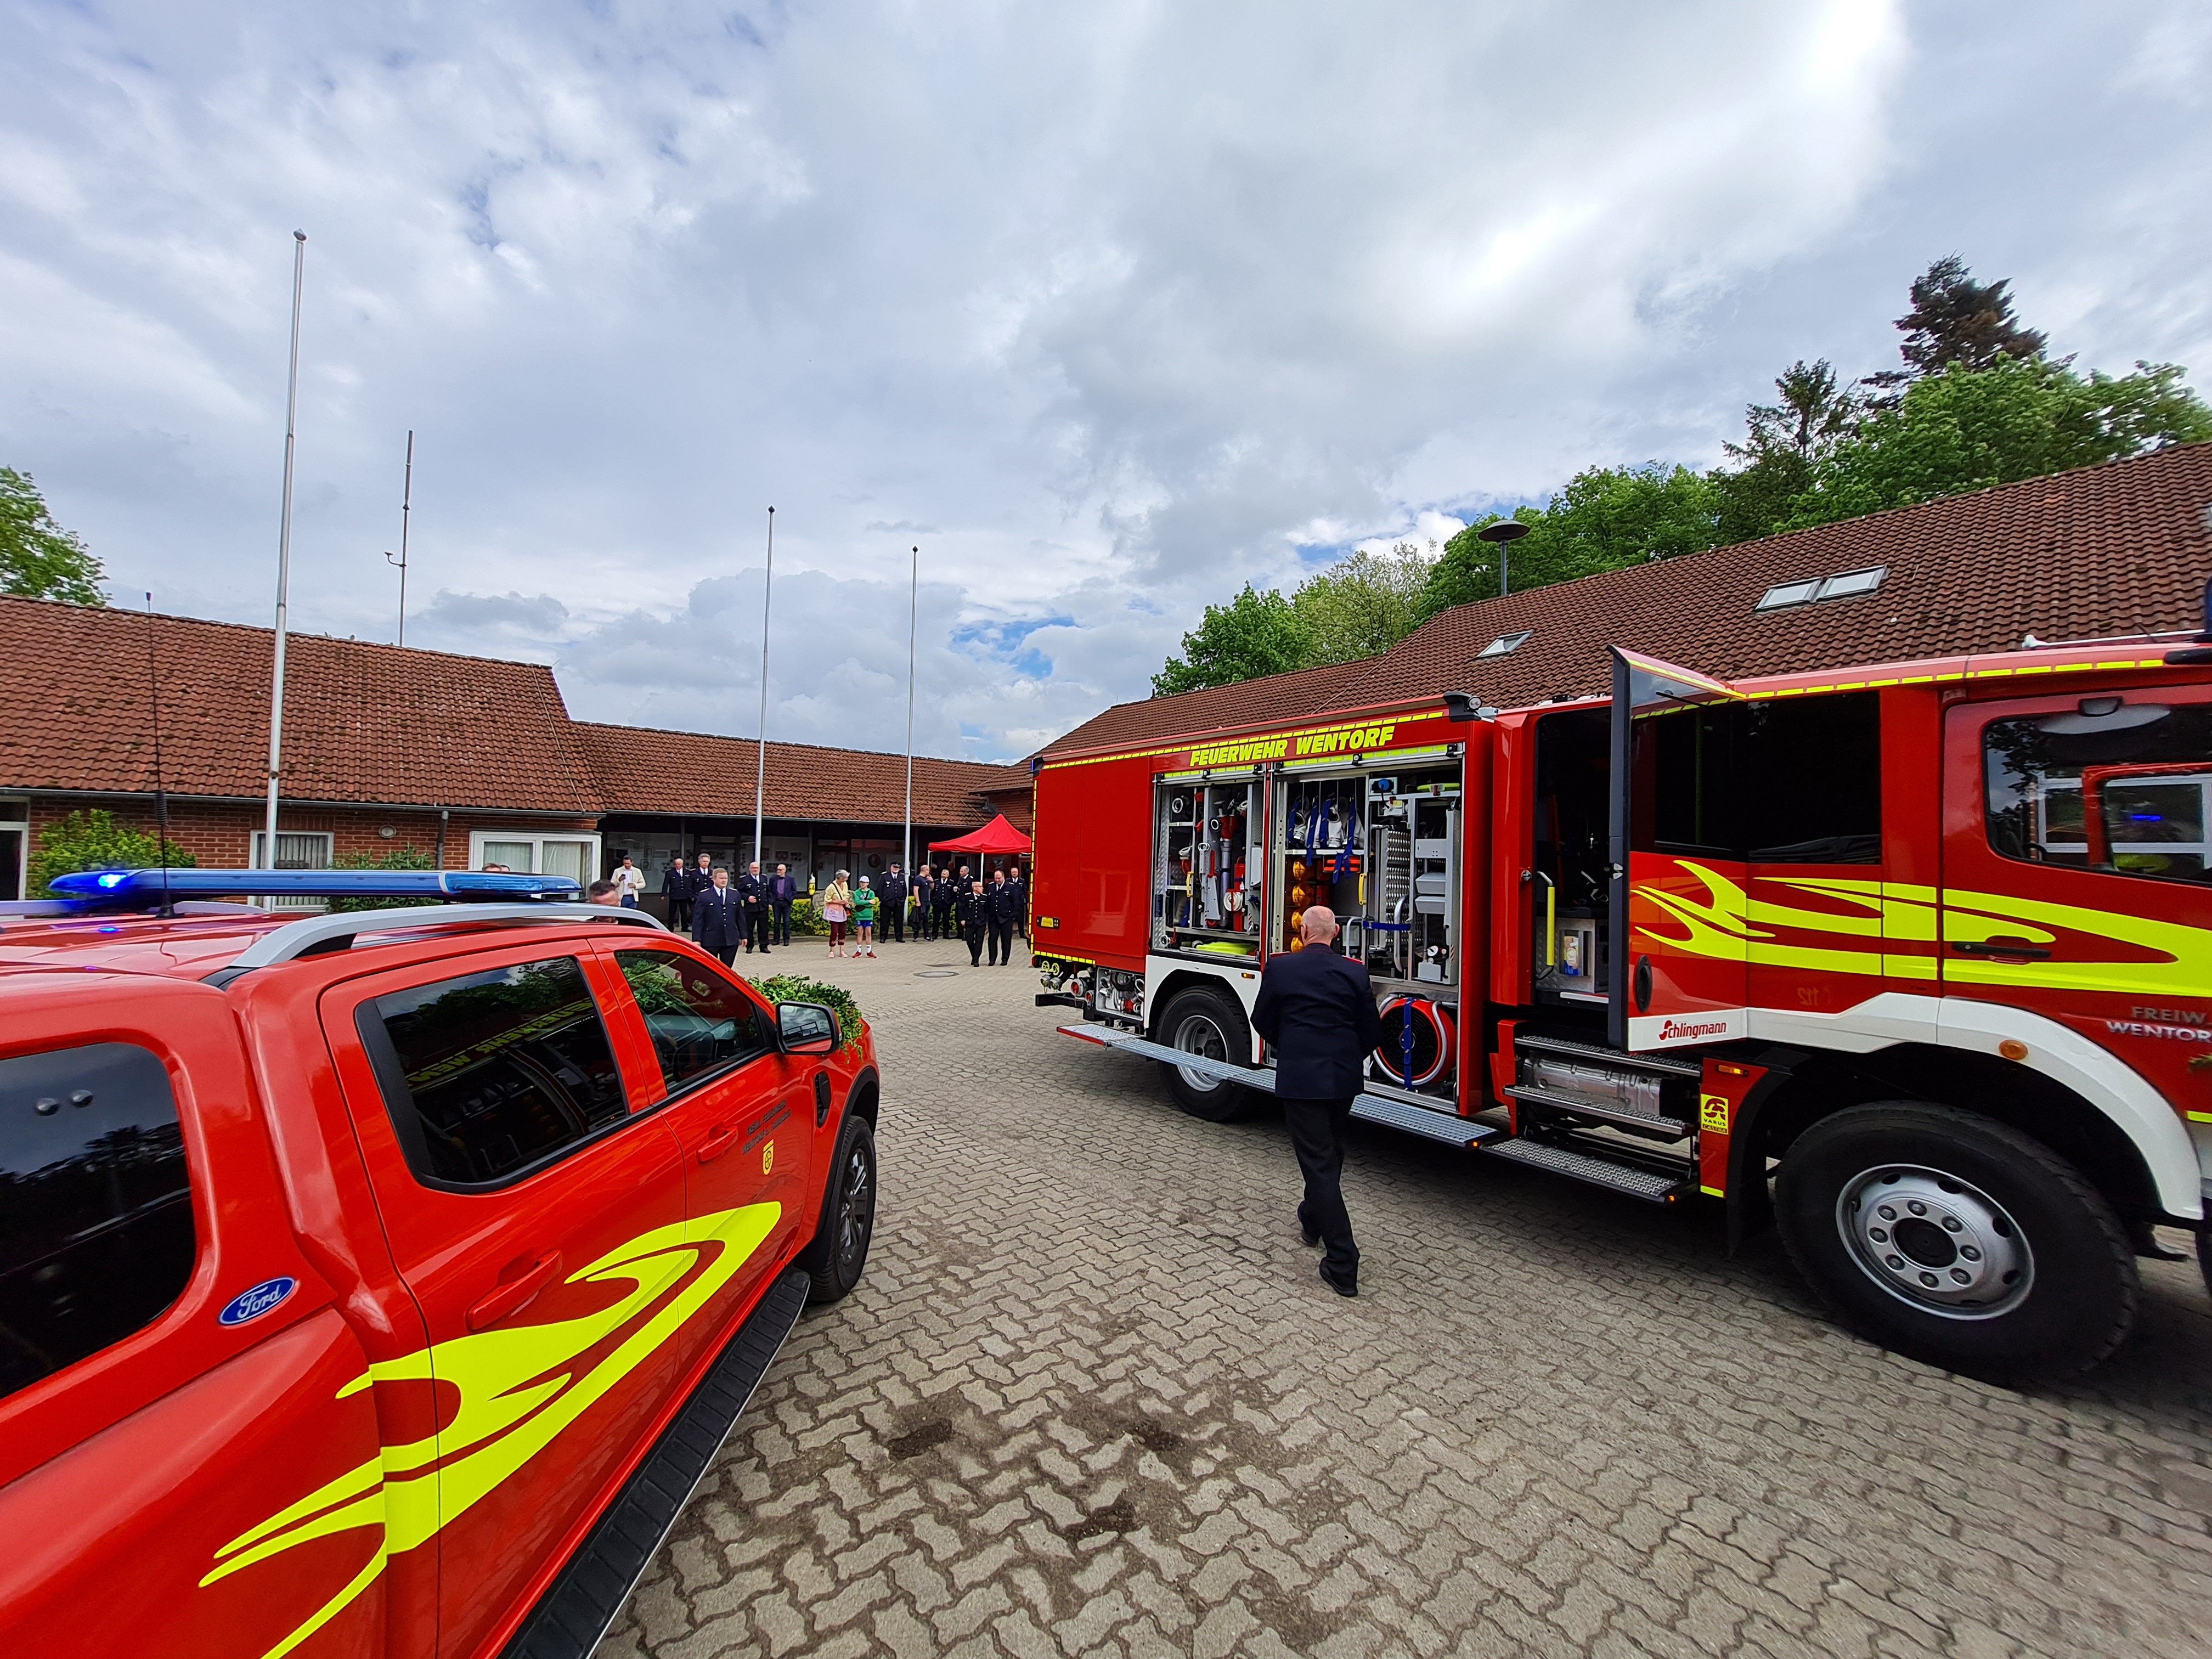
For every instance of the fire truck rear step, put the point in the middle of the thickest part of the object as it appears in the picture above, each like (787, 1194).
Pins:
(1603, 1112)
(1598, 1054)
(1652, 1184)
(1446, 1126)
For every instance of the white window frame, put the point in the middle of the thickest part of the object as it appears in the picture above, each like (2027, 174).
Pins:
(258, 839)
(538, 838)
(16, 814)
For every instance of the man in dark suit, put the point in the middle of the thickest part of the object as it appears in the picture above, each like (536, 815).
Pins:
(974, 908)
(925, 897)
(718, 921)
(676, 888)
(1003, 914)
(752, 899)
(893, 892)
(1317, 1012)
(782, 894)
(947, 900)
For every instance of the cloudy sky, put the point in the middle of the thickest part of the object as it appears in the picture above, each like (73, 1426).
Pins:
(1108, 308)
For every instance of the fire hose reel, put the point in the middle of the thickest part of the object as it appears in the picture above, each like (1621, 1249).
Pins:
(1418, 1039)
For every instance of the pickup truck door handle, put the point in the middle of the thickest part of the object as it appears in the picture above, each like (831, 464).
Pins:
(716, 1144)
(1997, 947)
(516, 1294)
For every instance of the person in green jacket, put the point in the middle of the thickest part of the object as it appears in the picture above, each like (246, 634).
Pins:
(864, 919)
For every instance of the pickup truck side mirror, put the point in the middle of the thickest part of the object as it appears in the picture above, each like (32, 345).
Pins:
(808, 1028)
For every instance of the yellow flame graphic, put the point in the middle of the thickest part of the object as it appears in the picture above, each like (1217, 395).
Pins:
(514, 1400)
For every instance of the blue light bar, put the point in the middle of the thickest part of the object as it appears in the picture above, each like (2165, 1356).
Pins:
(133, 889)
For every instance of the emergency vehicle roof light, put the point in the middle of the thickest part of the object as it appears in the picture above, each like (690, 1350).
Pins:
(136, 889)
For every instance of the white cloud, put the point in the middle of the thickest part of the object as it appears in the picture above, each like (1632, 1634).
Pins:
(1109, 307)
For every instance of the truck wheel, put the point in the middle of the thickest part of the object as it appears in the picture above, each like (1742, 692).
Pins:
(1204, 1021)
(1950, 1238)
(834, 1262)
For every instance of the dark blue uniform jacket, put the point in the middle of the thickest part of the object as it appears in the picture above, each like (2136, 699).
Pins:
(1318, 1011)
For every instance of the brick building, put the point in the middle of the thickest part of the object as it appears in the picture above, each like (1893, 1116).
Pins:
(470, 759)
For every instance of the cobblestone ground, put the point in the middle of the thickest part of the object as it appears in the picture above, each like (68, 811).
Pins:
(1091, 1399)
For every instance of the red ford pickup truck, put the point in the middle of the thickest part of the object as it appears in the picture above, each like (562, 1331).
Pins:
(382, 1283)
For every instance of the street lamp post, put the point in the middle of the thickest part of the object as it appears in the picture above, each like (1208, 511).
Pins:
(912, 621)
(760, 768)
(284, 558)
(1502, 535)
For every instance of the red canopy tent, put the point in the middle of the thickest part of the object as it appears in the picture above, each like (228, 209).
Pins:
(996, 838)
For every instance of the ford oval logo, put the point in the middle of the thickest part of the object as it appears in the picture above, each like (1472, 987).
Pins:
(251, 1305)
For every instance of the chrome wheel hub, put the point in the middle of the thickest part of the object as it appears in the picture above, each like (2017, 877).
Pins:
(1199, 1033)
(1933, 1239)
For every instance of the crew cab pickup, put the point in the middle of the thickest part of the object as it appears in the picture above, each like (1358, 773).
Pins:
(382, 1283)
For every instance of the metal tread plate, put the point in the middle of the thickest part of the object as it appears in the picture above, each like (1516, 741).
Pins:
(1604, 1056)
(580, 1604)
(1653, 1186)
(1609, 1113)
(1432, 1123)
(1447, 1126)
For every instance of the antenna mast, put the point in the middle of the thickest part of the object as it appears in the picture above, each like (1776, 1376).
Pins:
(161, 795)
(406, 503)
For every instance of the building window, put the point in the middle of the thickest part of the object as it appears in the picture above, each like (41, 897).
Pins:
(295, 850)
(15, 846)
(1506, 643)
(529, 852)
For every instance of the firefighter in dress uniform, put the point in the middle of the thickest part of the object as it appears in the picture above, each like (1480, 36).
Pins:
(974, 908)
(947, 901)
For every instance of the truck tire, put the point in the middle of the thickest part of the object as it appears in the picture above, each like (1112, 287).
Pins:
(834, 1260)
(1204, 1021)
(1949, 1236)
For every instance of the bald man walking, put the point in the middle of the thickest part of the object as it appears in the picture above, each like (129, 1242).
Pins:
(1317, 1012)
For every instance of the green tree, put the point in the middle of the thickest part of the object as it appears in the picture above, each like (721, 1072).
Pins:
(1956, 319)
(1362, 604)
(38, 559)
(93, 840)
(1605, 517)
(1784, 442)
(1254, 634)
(2021, 418)
(409, 857)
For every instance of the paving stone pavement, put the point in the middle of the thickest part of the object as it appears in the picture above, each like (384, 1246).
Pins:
(1091, 1399)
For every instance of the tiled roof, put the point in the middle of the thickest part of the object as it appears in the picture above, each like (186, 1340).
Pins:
(1129, 724)
(362, 722)
(2119, 549)
(640, 770)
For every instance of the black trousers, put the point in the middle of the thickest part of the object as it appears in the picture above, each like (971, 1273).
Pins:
(895, 915)
(780, 932)
(727, 957)
(976, 944)
(943, 924)
(1317, 1136)
(679, 915)
(757, 923)
(1002, 942)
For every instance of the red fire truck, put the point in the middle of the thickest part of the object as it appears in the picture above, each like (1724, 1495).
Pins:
(1913, 961)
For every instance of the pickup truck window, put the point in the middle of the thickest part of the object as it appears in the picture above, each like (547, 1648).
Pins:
(491, 1073)
(95, 1205)
(699, 1022)
(2120, 785)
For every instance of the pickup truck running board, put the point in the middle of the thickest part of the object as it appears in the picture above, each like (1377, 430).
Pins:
(580, 1604)
(1447, 1126)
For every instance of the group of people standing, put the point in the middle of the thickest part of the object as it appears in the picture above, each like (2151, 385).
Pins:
(722, 915)
(753, 911)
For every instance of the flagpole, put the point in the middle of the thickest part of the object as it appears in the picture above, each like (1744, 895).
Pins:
(760, 746)
(284, 558)
(912, 616)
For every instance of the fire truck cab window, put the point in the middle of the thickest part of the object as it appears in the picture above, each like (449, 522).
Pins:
(1774, 781)
(96, 1233)
(491, 1074)
(2112, 784)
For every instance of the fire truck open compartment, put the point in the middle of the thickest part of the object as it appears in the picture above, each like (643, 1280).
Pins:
(1568, 870)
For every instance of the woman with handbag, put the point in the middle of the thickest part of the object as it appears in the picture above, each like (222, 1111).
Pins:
(836, 910)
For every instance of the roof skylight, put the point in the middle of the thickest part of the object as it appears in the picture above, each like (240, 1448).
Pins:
(1506, 642)
(1841, 586)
